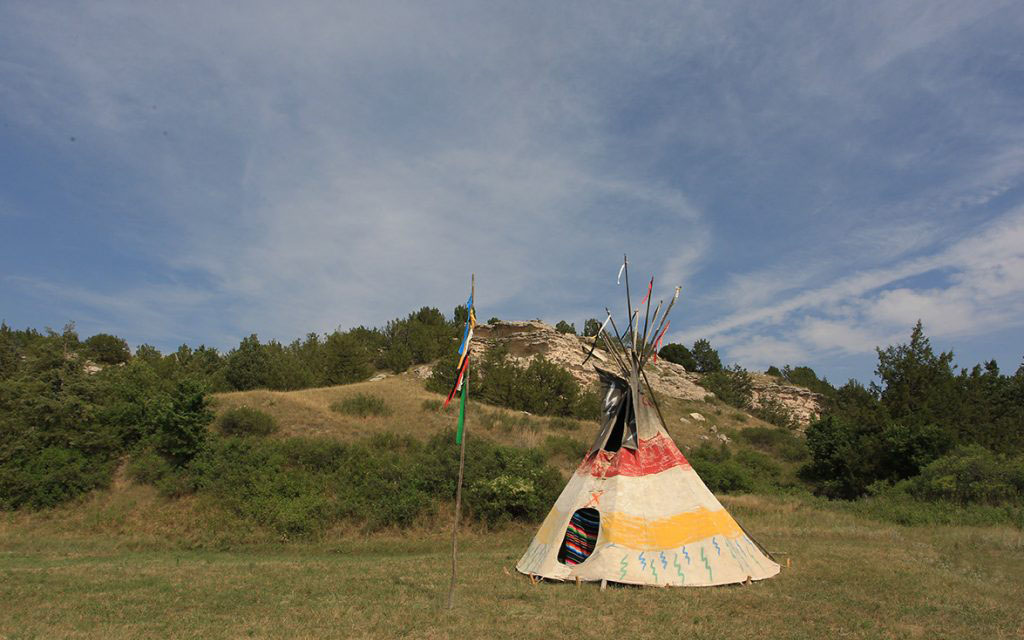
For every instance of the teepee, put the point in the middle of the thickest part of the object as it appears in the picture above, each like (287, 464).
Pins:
(635, 511)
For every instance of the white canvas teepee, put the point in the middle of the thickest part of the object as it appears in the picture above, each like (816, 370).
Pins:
(635, 511)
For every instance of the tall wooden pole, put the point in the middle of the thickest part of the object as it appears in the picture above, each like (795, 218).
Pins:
(462, 458)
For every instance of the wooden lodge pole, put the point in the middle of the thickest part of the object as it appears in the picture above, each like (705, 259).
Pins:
(462, 462)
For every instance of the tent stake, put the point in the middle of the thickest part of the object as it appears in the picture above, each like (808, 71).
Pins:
(604, 584)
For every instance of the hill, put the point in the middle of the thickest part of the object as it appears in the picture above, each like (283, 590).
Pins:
(526, 340)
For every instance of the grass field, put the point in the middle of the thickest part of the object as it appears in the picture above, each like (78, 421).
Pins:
(128, 563)
(850, 578)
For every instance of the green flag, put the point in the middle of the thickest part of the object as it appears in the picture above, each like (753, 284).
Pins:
(462, 410)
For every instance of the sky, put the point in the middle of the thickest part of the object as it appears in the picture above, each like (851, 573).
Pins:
(816, 176)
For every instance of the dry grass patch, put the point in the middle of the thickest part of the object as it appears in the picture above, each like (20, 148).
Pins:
(414, 411)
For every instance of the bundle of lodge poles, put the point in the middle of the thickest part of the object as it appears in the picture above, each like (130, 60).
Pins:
(630, 350)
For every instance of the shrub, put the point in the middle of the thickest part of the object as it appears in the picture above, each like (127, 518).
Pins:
(298, 486)
(565, 327)
(783, 444)
(362, 405)
(542, 387)
(719, 472)
(970, 474)
(51, 476)
(246, 421)
(560, 445)
(430, 405)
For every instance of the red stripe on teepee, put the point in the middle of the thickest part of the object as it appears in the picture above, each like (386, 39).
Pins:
(653, 455)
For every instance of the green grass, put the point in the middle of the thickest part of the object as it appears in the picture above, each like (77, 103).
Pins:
(129, 563)
(850, 577)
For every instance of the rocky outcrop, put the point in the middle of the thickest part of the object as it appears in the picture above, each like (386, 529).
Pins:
(804, 404)
(526, 340)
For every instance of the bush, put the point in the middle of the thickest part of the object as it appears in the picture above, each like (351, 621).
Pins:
(783, 444)
(542, 387)
(362, 405)
(298, 486)
(970, 474)
(559, 445)
(719, 472)
(246, 421)
(50, 477)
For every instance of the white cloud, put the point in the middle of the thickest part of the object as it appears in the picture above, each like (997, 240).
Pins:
(983, 292)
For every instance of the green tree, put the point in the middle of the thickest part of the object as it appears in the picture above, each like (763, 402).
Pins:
(732, 385)
(181, 426)
(346, 359)
(917, 385)
(248, 366)
(107, 349)
(679, 354)
(705, 357)
(590, 327)
(565, 327)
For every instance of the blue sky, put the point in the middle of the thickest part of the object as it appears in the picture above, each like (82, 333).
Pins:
(816, 177)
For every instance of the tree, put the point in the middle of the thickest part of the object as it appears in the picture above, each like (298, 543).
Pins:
(346, 359)
(590, 327)
(732, 385)
(773, 371)
(248, 366)
(107, 349)
(918, 386)
(679, 354)
(705, 357)
(182, 424)
(565, 327)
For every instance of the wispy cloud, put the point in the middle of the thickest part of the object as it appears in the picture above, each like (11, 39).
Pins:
(980, 289)
(807, 173)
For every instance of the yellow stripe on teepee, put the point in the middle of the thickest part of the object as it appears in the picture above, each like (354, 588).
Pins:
(675, 531)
